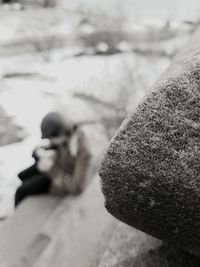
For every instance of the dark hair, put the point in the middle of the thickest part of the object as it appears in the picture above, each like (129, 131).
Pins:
(52, 125)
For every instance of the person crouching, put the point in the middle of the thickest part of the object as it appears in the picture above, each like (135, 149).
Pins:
(62, 162)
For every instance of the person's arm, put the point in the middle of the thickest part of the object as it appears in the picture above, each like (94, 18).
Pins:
(77, 182)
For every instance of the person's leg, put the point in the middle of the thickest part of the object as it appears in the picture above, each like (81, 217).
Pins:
(38, 184)
(28, 173)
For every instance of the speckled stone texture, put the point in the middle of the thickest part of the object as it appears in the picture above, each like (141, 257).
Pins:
(132, 248)
(150, 174)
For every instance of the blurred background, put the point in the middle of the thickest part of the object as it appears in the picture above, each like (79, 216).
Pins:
(94, 59)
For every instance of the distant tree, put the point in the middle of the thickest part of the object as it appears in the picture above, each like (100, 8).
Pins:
(43, 36)
(7, 1)
(49, 3)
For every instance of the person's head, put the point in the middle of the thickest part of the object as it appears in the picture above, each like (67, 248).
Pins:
(54, 126)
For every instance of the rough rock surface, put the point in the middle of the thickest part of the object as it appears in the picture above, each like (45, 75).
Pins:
(130, 247)
(150, 174)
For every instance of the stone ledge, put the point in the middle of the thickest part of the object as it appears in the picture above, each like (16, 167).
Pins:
(19, 230)
(49, 232)
(130, 247)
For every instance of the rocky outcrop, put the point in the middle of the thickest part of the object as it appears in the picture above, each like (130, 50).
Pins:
(150, 174)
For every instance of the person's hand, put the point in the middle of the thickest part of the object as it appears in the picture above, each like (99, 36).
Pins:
(38, 151)
(46, 159)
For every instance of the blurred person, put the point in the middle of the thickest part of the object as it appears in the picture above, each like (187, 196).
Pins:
(62, 162)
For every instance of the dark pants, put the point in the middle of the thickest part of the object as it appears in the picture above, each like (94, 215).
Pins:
(36, 184)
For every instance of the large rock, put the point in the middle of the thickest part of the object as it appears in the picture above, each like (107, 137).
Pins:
(151, 172)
